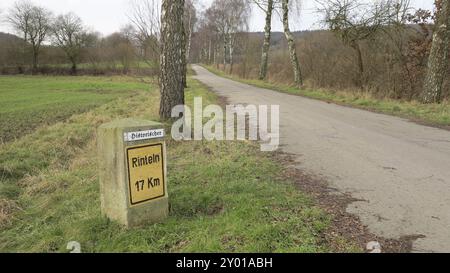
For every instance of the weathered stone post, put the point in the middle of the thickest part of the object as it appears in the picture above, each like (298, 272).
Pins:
(132, 172)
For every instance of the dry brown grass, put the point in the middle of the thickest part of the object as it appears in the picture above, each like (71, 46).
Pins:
(7, 208)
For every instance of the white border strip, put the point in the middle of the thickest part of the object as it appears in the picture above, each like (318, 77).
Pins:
(144, 135)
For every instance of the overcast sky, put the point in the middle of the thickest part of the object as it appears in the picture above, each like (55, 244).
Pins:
(108, 16)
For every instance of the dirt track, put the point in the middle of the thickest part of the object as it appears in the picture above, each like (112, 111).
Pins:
(398, 169)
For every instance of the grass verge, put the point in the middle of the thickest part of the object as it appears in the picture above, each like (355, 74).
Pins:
(225, 196)
(27, 102)
(429, 114)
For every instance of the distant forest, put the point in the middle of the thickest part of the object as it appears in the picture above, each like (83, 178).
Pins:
(383, 48)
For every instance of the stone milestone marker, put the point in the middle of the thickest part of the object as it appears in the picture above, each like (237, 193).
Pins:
(132, 172)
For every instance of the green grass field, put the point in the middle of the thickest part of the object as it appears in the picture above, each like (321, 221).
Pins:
(431, 114)
(29, 102)
(225, 196)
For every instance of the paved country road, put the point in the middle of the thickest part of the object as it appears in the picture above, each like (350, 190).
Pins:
(399, 168)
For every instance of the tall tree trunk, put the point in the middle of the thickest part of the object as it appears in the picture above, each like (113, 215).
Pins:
(267, 38)
(360, 62)
(438, 59)
(187, 41)
(183, 53)
(35, 61)
(224, 54)
(189, 38)
(74, 65)
(209, 52)
(231, 52)
(23, 58)
(215, 58)
(35, 55)
(291, 43)
(172, 58)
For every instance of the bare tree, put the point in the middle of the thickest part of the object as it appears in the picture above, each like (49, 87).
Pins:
(118, 47)
(33, 24)
(438, 59)
(267, 6)
(396, 46)
(238, 14)
(354, 21)
(229, 17)
(145, 16)
(208, 36)
(291, 43)
(219, 20)
(38, 31)
(20, 18)
(70, 35)
(190, 21)
(172, 58)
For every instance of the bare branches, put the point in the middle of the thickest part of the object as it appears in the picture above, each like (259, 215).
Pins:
(354, 20)
(39, 26)
(263, 4)
(32, 23)
(228, 18)
(20, 18)
(70, 35)
(145, 16)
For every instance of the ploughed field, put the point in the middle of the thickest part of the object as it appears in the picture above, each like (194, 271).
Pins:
(224, 196)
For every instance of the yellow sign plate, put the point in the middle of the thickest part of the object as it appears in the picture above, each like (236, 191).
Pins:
(146, 173)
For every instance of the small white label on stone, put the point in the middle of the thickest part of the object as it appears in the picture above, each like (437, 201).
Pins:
(143, 135)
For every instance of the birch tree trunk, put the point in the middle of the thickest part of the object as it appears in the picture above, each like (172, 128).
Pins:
(183, 53)
(360, 62)
(438, 59)
(231, 52)
(209, 52)
(267, 38)
(215, 58)
(187, 45)
(291, 43)
(189, 37)
(225, 54)
(172, 56)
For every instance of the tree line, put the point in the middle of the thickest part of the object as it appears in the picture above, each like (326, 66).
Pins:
(35, 25)
(385, 46)
(50, 42)
(159, 34)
